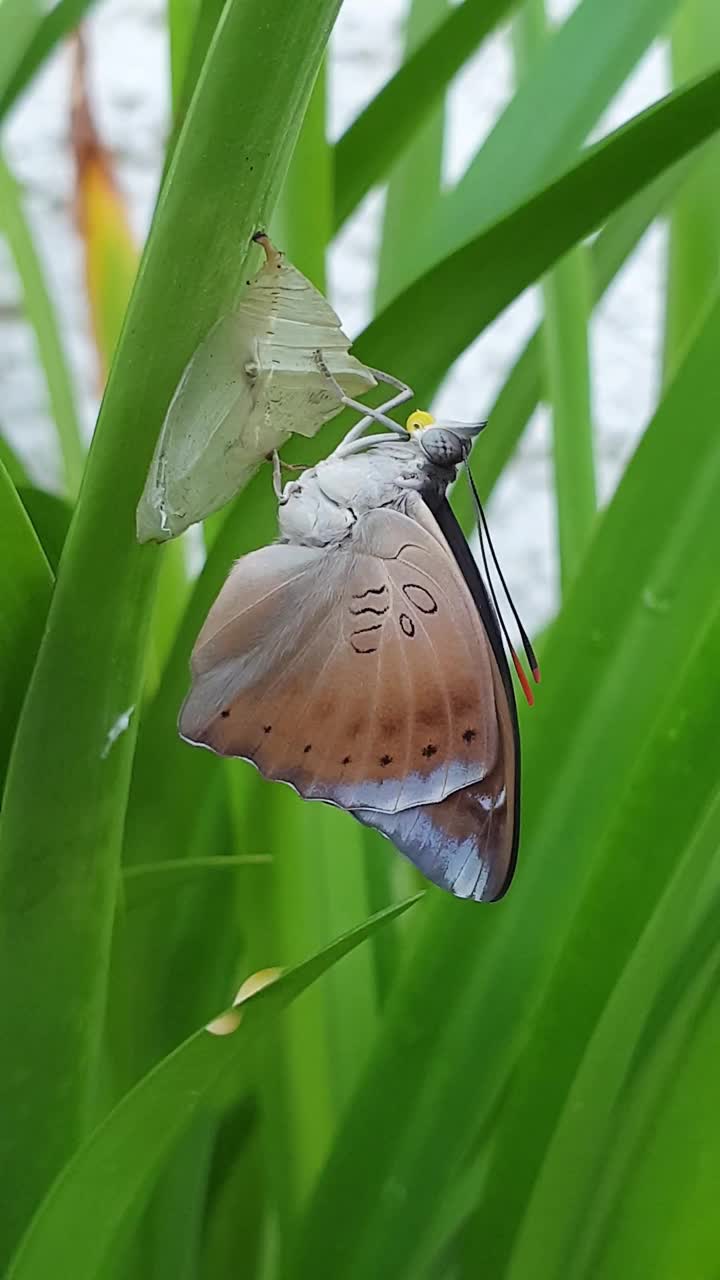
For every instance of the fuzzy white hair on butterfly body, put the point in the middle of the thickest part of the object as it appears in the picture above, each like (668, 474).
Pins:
(323, 506)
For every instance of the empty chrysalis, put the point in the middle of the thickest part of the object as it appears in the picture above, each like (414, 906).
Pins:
(253, 381)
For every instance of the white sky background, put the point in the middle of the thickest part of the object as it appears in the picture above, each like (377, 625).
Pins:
(128, 67)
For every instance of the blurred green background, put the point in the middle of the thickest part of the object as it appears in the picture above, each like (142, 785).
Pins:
(519, 1092)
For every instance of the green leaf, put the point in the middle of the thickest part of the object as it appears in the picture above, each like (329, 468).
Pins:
(518, 248)
(182, 23)
(590, 55)
(41, 315)
(566, 307)
(260, 71)
(28, 35)
(416, 176)
(519, 396)
(12, 463)
(677, 1147)
(375, 139)
(26, 583)
(50, 517)
(586, 970)
(459, 1017)
(18, 22)
(150, 882)
(606, 1109)
(302, 221)
(76, 1226)
(694, 247)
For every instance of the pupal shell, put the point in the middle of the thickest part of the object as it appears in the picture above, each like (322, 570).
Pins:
(252, 382)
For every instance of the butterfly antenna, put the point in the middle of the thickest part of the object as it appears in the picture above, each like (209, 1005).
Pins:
(527, 646)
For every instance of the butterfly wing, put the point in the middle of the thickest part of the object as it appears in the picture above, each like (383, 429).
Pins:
(358, 674)
(369, 675)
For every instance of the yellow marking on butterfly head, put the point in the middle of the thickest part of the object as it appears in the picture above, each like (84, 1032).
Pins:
(418, 420)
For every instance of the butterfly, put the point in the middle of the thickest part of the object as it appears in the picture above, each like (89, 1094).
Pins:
(360, 658)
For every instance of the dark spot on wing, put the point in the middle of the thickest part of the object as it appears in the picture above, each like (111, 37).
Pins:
(224, 714)
(420, 597)
(429, 750)
(346, 759)
(468, 735)
(267, 728)
(370, 608)
(307, 748)
(364, 640)
(384, 760)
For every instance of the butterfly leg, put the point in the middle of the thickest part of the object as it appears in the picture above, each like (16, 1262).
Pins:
(282, 493)
(369, 415)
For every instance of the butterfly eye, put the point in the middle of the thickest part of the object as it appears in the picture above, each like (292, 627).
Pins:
(444, 447)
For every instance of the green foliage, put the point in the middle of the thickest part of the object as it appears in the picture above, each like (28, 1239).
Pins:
(522, 1092)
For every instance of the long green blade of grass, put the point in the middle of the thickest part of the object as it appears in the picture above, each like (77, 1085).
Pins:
(458, 1019)
(663, 1114)
(260, 71)
(50, 517)
(303, 217)
(12, 463)
(657, 984)
(19, 20)
(182, 24)
(694, 246)
(364, 154)
(566, 305)
(514, 251)
(677, 1145)
(76, 1226)
(523, 389)
(41, 315)
(590, 56)
(626, 888)
(26, 583)
(416, 177)
(28, 34)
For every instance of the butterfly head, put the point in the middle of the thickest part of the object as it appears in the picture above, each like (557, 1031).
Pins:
(446, 444)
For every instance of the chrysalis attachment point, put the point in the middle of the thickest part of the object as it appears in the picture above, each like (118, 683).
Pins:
(273, 256)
